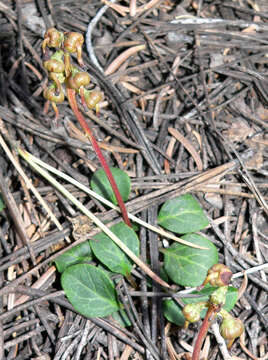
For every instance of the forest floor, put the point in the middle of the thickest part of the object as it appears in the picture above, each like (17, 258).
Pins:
(184, 111)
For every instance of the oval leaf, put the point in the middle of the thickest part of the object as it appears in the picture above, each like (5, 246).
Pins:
(110, 254)
(182, 215)
(80, 253)
(89, 290)
(231, 296)
(173, 312)
(2, 205)
(188, 266)
(120, 317)
(101, 185)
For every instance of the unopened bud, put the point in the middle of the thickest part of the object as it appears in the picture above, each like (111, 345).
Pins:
(231, 328)
(192, 312)
(78, 80)
(51, 94)
(73, 42)
(218, 296)
(53, 38)
(218, 275)
(53, 65)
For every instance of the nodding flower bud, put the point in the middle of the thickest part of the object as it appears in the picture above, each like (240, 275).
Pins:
(58, 79)
(53, 38)
(93, 98)
(52, 95)
(78, 80)
(73, 42)
(53, 65)
(218, 297)
(192, 312)
(231, 328)
(218, 275)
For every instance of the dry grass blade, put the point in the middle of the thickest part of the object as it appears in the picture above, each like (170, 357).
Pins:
(186, 143)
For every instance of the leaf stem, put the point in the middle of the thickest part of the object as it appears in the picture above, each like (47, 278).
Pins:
(86, 128)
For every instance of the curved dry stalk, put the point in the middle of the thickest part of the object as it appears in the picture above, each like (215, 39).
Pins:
(122, 58)
(186, 143)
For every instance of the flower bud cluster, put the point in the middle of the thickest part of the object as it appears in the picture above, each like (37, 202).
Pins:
(218, 275)
(62, 72)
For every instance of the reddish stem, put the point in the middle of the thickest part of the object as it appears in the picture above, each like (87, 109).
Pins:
(83, 123)
(211, 312)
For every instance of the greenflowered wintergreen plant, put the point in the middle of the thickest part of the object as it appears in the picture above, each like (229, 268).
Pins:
(218, 275)
(231, 328)
(92, 217)
(92, 99)
(192, 312)
(192, 267)
(72, 43)
(33, 159)
(184, 265)
(62, 72)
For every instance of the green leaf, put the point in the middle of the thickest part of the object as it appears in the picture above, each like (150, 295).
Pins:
(89, 290)
(110, 254)
(2, 204)
(188, 266)
(231, 296)
(80, 253)
(101, 185)
(121, 318)
(173, 312)
(182, 215)
(163, 274)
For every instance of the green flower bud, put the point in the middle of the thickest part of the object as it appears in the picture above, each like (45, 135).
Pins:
(218, 296)
(218, 275)
(53, 38)
(93, 98)
(231, 328)
(78, 80)
(51, 94)
(73, 42)
(53, 65)
(192, 312)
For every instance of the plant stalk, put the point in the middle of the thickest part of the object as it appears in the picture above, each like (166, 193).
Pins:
(93, 217)
(66, 177)
(210, 315)
(86, 128)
